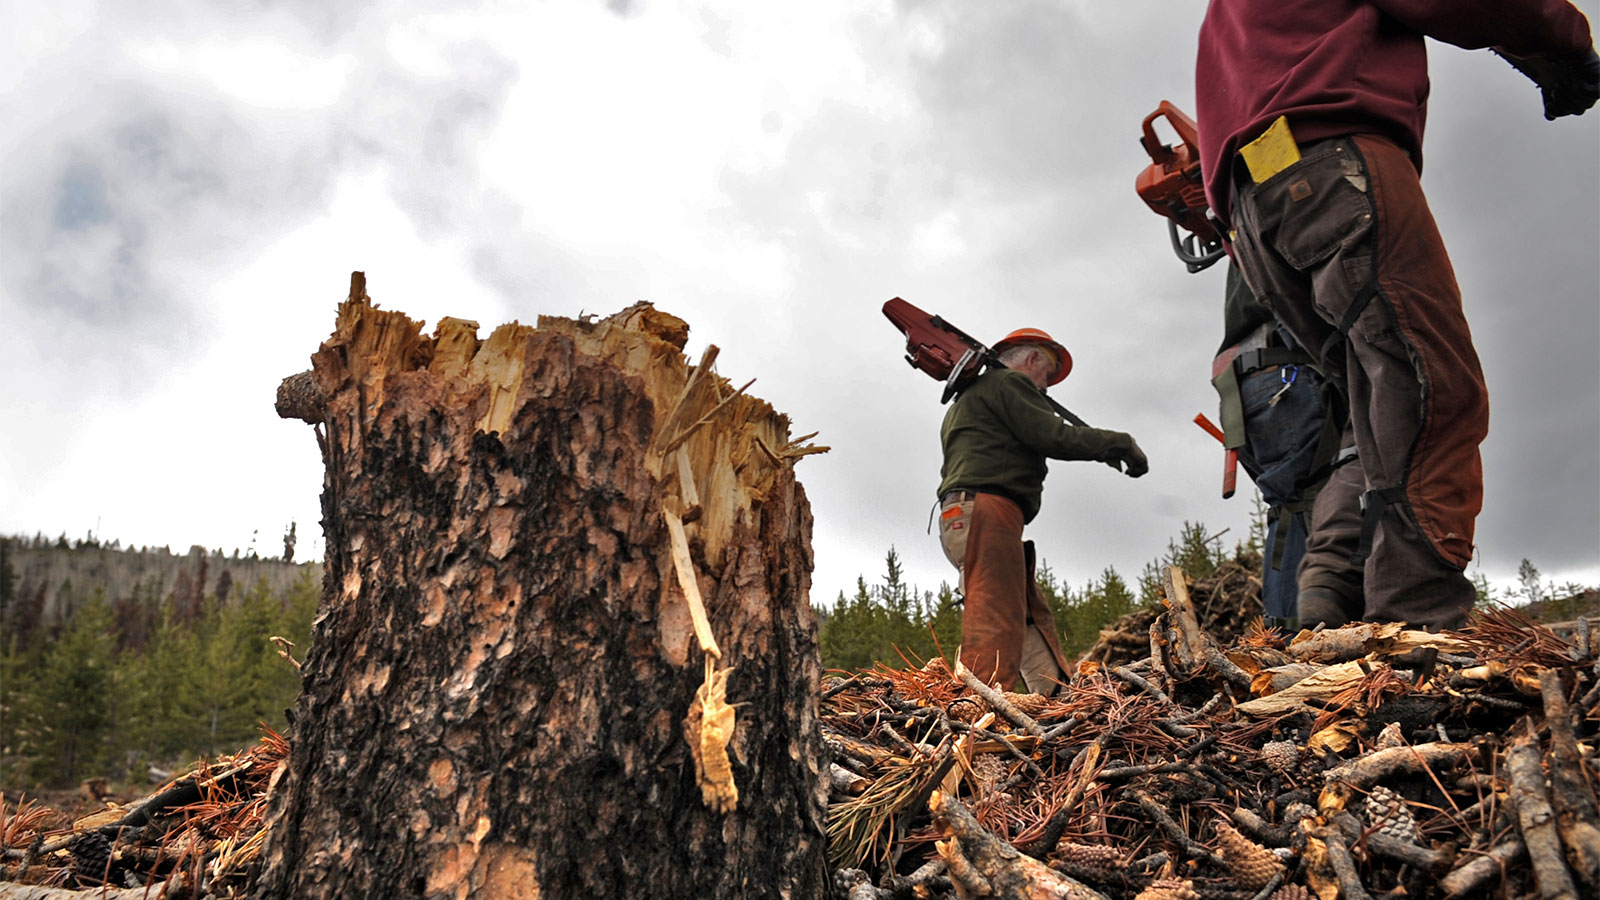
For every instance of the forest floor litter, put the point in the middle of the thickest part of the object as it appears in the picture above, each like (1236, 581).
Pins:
(1194, 754)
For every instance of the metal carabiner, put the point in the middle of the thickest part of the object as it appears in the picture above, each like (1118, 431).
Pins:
(1286, 376)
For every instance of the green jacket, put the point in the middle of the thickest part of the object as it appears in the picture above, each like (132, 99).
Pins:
(999, 432)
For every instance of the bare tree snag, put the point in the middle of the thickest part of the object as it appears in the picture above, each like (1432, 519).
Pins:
(565, 646)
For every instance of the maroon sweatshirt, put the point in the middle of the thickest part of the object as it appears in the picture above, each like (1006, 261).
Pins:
(1338, 67)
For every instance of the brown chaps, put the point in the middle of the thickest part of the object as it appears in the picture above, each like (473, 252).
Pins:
(1006, 626)
(1342, 247)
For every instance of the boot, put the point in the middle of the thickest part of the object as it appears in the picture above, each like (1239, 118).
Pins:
(1321, 605)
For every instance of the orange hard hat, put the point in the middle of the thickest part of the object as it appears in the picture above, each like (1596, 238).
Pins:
(1035, 336)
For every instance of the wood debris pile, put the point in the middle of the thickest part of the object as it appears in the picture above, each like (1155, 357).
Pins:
(1362, 762)
(196, 836)
(1226, 602)
(1367, 761)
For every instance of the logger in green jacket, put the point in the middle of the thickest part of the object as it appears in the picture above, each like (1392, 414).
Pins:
(996, 438)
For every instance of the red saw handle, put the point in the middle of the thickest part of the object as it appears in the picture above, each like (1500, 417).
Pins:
(1230, 458)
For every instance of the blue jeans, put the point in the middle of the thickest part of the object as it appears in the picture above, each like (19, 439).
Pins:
(1279, 452)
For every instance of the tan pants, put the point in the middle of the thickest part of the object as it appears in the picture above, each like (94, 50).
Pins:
(981, 535)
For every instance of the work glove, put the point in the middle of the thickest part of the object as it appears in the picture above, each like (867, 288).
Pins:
(1125, 456)
(1569, 82)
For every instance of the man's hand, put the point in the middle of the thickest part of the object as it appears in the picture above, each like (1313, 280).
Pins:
(1130, 456)
(1569, 83)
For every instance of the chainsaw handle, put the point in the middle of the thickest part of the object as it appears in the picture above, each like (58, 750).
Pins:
(1196, 253)
(1188, 132)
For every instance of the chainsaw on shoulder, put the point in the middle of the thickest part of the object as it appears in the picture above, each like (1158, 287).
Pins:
(948, 354)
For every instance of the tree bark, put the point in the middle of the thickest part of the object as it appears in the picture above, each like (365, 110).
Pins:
(506, 693)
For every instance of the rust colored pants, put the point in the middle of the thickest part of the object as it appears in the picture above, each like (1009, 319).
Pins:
(1006, 626)
(1349, 224)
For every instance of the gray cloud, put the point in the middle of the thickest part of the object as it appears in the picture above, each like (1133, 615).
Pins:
(996, 189)
(1027, 120)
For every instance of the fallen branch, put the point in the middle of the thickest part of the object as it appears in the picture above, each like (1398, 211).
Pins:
(1085, 762)
(1350, 886)
(1124, 673)
(998, 702)
(1434, 862)
(172, 887)
(1576, 820)
(981, 864)
(1365, 771)
(1472, 879)
(1536, 820)
(1174, 831)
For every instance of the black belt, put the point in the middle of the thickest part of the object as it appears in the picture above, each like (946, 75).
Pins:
(1268, 357)
(962, 495)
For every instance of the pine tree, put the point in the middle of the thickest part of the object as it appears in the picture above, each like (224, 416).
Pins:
(18, 736)
(8, 584)
(74, 711)
(1528, 575)
(161, 721)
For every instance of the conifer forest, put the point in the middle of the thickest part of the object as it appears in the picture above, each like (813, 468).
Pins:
(105, 677)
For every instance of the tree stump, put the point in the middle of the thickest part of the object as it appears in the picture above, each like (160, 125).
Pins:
(507, 694)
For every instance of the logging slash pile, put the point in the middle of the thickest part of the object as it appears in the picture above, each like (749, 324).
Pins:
(197, 836)
(1363, 762)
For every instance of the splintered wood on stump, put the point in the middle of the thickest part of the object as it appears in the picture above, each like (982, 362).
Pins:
(505, 695)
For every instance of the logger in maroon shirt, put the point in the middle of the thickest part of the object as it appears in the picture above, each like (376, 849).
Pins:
(1311, 116)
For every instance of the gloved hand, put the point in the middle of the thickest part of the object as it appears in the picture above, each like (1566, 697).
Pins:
(1126, 452)
(1569, 83)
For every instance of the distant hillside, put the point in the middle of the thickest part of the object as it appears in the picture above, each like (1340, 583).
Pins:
(1558, 610)
(52, 577)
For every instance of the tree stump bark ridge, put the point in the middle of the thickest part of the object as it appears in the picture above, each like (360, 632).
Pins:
(499, 685)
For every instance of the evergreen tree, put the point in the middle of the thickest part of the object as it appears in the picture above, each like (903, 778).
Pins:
(1528, 575)
(851, 636)
(73, 715)
(1258, 524)
(1486, 599)
(162, 722)
(944, 621)
(1197, 552)
(8, 583)
(18, 737)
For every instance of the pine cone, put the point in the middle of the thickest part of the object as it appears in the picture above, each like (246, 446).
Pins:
(1388, 813)
(1291, 892)
(1390, 737)
(1028, 704)
(91, 856)
(1251, 864)
(1094, 861)
(967, 709)
(990, 769)
(1282, 756)
(1169, 889)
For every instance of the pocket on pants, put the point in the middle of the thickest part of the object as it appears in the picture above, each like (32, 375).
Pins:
(1317, 207)
(955, 519)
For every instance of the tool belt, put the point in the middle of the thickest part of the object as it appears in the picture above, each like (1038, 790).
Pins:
(1230, 374)
(1244, 363)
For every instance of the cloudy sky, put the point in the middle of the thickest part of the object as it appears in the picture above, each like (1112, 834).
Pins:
(187, 185)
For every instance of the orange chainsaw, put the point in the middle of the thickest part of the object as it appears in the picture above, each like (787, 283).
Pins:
(1172, 187)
